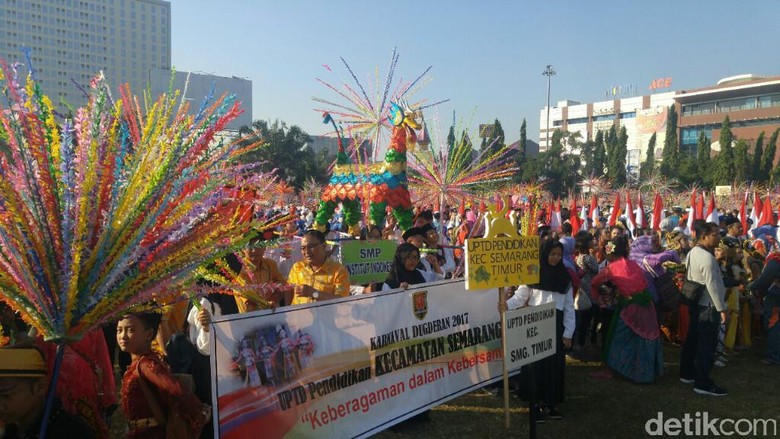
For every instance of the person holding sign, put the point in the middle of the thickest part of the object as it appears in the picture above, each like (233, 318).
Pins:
(554, 286)
(633, 346)
(404, 271)
(317, 277)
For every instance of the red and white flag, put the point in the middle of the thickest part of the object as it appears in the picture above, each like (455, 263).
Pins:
(641, 219)
(658, 212)
(584, 217)
(767, 216)
(630, 214)
(595, 214)
(691, 214)
(615, 211)
(743, 214)
(712, 211)
(755, 212)
(574, 216)
(555, 219)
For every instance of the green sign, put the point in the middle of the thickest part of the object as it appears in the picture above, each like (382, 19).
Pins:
(367, 261)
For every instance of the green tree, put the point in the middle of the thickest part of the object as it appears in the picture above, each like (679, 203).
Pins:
(648, 166)
(521, 157)
(555, 165)
(586, 157)
(451, 137)
(768, 159)
(616, 156)
(741, 161)
(688, 170)
(703, 159)
(496, 141)
(599, 155)
(285, 151)
(756, 173)
(671, 152)
(724, 163)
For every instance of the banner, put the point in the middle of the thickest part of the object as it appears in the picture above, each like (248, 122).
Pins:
(502, 262)
(367, 261)
(530, 334)
(355, 366)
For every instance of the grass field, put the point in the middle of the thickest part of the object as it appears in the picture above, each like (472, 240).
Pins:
(611, 408)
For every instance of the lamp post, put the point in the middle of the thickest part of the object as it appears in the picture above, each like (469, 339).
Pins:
(548, 72)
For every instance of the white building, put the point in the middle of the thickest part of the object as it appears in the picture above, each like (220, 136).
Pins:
(197, 86)
(72, 40)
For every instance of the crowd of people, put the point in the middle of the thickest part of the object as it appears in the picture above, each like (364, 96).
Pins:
(616, 294)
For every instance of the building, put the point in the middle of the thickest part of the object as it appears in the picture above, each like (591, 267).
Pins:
(72, 40)
(752, 103)
(318, 144)
(195, 87)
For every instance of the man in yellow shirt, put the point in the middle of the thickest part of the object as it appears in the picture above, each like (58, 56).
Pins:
(259, 270)
(317, 277)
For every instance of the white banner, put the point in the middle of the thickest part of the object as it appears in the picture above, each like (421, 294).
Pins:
(354, 366)
(530, 334)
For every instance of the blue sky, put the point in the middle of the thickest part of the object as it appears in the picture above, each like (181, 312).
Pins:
(487, 56)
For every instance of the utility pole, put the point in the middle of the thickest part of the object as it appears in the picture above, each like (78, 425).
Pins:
(548, 72)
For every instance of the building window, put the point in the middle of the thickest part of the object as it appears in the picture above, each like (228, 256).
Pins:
(699, 109)
(628, 115)
(604, 117)
(737, 104)
(577, 120)
(769, 101)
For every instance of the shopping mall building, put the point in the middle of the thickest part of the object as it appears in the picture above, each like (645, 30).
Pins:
(751, 102)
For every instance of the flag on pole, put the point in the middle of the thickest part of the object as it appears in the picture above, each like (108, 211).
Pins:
(583, 217)
(555, 220)
(691, 214)
(658, 212)
(595, 214)
(630, 214)
(615, 211)
(641, 219)
(574, 217)
(712, 211)
(766, 213)
(755, 212)
(700, 207)
(743, 214)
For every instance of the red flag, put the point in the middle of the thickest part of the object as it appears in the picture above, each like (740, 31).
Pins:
(499, 202)
(658, 211)
(462, 207)
(712, 212)
(641, 219)
(755, 213)
(766, 213)
(691, 213)
(743, 214)
(574, 217)
(700, 207)
(615, 211)
(630, 214)
(482, 207)
(594, 211)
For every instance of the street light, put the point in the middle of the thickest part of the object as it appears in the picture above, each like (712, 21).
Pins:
(548, 72)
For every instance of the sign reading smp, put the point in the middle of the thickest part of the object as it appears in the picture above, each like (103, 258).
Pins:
(501, 262)
(367, 261)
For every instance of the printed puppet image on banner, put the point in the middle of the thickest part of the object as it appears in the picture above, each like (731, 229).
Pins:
(348, 368)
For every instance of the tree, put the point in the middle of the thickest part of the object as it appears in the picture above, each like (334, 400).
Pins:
(648, 166)
(724, 163)
(768, 159)
(599, 155)
(741, 161)
(496, 141)
(616, 156)
(555, 165)
(285, 150)
(703, 159)
(520, 157)
(756, 173)
(451, 137)
(671, 152)
(586, 156)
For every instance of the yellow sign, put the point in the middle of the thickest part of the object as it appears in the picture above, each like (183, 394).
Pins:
(502, 261)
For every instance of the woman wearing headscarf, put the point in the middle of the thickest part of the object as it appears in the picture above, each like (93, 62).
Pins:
(554, 286)
(768, 281)
(404, 271)
(633, 347)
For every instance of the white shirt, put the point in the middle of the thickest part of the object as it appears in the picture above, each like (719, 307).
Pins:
(526, 296)
(198, 337)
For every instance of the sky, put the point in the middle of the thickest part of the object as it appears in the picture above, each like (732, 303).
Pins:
(487, 56)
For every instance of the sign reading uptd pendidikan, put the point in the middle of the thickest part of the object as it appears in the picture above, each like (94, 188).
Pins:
(502, 262)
